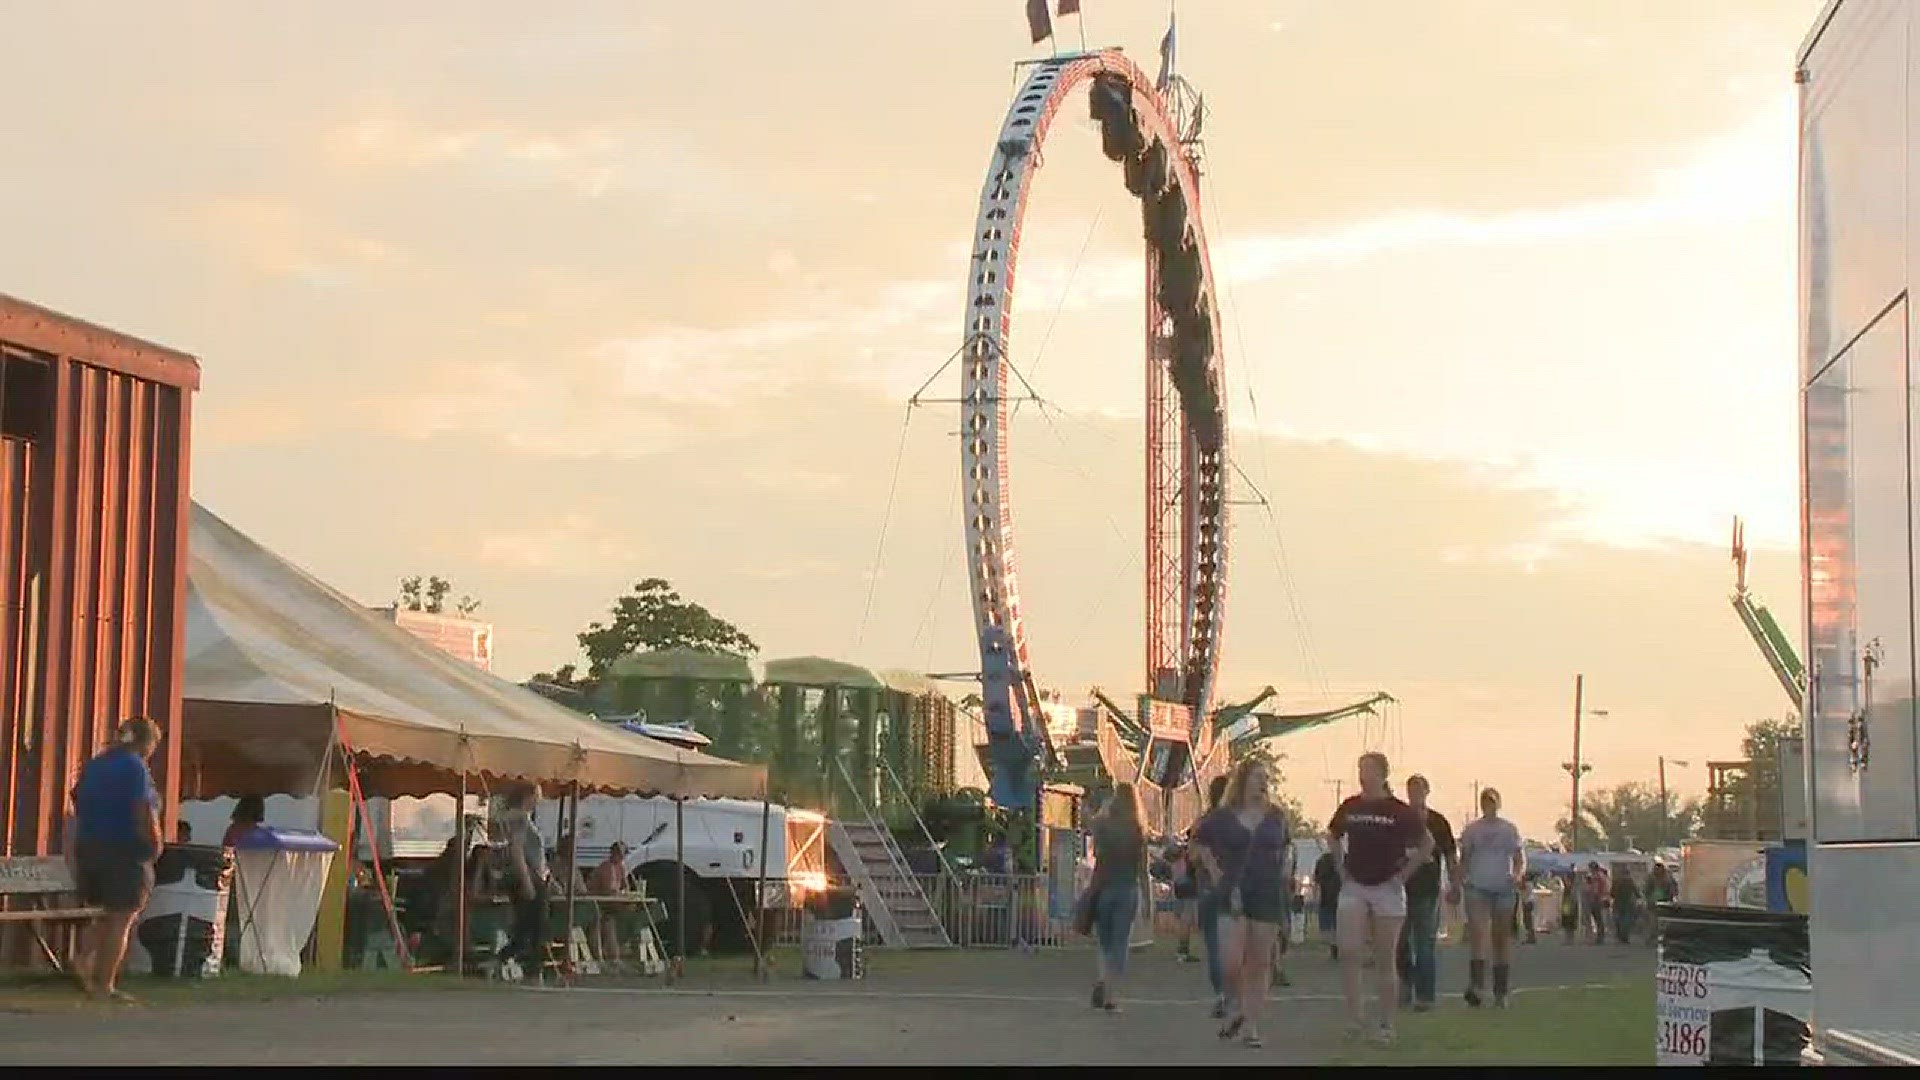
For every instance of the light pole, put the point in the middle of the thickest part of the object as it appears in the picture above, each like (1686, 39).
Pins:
(1666, 817)
(1576, 768)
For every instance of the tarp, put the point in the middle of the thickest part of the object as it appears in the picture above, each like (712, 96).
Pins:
(272, 653)
(819, 671)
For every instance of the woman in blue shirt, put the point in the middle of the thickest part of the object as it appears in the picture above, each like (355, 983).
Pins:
(1244, 844)
(116, 838)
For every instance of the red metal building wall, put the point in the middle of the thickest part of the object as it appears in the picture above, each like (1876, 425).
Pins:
(93, 538)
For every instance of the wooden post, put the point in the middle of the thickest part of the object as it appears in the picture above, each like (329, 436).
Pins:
(330, 933)
(461, 839)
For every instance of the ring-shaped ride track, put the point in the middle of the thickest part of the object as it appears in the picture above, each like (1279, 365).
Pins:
(1186, 445)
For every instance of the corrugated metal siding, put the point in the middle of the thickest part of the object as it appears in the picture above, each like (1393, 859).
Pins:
(92, 564)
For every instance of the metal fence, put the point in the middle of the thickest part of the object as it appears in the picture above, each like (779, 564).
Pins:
(996, 910)
(980, 911)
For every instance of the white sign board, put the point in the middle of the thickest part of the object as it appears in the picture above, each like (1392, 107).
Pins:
(1682, 1014)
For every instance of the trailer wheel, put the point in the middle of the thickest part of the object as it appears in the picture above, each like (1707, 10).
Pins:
(659, 879)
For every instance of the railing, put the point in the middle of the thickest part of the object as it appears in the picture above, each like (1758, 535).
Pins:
(894, 857)
(996, 910)
(946, 868)
(980, 911)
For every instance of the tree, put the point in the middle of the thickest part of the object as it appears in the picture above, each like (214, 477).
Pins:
(1628, 817)
(430, 596)
(1761, 747)
(564, 675)
(654, 616)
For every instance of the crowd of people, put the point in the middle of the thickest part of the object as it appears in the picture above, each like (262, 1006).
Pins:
(1391, 865)
(1605, 904)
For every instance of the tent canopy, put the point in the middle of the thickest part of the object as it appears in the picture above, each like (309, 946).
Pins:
(277, 663)
(683, 664)
(819, 671)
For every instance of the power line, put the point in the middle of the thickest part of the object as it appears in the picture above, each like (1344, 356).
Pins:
(1288, 584)
(886, 519)
(1061, 304)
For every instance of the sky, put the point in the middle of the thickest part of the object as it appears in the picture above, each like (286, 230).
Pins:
(551, 301)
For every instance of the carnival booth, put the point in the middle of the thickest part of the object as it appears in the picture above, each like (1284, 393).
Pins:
(292, 688)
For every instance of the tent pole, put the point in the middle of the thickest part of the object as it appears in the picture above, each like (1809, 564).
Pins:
(760, 891)
(359, 797)
(460, 879)
(680, 881)
(573, 867)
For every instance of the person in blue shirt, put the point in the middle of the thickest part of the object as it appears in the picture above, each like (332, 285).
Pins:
(115, 839)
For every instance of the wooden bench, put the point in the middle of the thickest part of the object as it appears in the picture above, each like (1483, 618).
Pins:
(46, 884)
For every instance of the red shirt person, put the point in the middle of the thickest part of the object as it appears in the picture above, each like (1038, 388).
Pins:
(1382, 841)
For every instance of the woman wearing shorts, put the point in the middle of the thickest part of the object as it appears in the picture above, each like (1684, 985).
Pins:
(1382, 841)
(1494, 863)
(1244, 845)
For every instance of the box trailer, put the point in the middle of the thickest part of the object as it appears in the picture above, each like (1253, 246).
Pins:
(93, 519)
(1857, 81)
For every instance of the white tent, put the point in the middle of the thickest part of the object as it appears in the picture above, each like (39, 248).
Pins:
(278, 665)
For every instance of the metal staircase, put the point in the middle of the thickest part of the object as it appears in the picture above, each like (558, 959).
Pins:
(888, 890)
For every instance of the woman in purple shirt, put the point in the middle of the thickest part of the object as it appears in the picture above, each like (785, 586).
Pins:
(1244, 844)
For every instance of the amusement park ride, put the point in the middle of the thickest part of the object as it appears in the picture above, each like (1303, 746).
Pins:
(1179, 736)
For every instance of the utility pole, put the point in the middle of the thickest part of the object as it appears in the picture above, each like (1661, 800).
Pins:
(1337, 785)
(1576, 766)
(1666, 817)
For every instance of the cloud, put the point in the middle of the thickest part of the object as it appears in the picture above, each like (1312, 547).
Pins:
(278, 240)
(641, 162)
(573, 542)
(1744, 174)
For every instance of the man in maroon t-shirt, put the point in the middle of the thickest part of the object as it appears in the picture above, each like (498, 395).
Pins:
(1382, 841)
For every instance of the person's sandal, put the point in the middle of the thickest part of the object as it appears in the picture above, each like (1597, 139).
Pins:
(1232, 1027)
(1253, 1042)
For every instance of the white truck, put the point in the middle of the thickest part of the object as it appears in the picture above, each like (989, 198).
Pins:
(1859, 81)
(721, 856)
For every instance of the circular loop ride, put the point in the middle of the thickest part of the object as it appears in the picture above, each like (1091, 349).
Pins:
(1186, 441)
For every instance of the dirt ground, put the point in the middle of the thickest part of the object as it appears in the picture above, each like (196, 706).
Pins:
(972, 1007)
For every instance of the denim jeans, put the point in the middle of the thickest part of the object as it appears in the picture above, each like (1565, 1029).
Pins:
(1209, 919)
(1415, 959)
(1113, 912)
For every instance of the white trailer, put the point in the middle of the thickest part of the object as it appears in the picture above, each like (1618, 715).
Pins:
(1859, 200)
(715, 845)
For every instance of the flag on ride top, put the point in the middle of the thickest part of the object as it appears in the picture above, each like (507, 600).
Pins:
(1039, 21)
(1069, 7)
(1166, 56)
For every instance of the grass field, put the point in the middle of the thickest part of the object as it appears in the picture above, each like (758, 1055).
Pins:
(54, 993)
(1611, 1025)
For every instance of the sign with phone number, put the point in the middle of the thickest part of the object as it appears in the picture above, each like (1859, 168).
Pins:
(1683, 1014)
